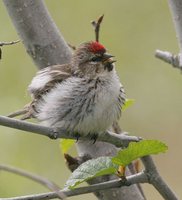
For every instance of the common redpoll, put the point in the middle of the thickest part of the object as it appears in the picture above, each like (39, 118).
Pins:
(84, 96)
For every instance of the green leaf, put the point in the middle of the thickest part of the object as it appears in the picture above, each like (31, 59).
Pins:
(128, 103)
(66, 144)
(91, 169)
(137, 150)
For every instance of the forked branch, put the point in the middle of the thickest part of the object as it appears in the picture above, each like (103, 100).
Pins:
(122, 140)
(96, 24)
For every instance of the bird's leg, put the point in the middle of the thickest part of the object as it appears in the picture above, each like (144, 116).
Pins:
(77, 135)
(94, 137)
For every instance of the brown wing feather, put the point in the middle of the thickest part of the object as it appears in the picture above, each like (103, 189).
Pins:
(57, 74)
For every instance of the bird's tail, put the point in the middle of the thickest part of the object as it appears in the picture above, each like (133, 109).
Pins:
(25, 113)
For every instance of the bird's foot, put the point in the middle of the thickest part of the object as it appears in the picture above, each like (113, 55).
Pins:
(77, 135)
(94, 137)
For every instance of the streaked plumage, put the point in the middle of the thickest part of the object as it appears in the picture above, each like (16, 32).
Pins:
(84, 96)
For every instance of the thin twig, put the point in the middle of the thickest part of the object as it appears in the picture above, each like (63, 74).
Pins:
(133, 179)
(9, 43)
(96, 25)
(6, 43)
(43, 181)
(71, 46)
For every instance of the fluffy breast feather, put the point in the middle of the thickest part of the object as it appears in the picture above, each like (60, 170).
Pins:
(83, 105)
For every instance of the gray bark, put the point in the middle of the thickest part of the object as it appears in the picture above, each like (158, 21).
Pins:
(46, 46)
(175, 60)
(176, 11)
(42, 39)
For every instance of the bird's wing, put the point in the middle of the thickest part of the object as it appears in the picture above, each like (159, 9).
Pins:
(46, 79)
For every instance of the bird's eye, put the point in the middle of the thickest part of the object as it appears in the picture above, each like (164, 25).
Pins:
(96, 59)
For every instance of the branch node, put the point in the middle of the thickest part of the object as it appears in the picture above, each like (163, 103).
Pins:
(54, 134)
(125, 182)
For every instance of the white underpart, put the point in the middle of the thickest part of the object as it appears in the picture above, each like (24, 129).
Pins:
(68, 96)
(39, 81)
(105, 110)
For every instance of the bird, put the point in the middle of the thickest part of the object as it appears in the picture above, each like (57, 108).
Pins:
(84, 96)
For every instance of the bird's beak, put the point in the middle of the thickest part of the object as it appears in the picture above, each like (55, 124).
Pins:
(107, 56)
(107, 61)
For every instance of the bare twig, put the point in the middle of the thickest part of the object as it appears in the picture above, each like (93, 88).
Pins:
(8, 43)
(133, 179)
(96, 25)
(118, 140)
(72, 46)
(43, 181)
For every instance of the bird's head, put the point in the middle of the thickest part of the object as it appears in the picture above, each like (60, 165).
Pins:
(91, 58)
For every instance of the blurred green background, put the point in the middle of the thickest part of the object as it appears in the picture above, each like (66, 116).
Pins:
(132, 31)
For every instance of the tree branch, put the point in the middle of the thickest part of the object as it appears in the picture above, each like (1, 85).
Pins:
(156, 180)
(43, 181)
(121, 140)
(46, 46)
(176, 11)
(41, 37)
(118, 140)
(8, 43)
(133, 179)
(168, 57)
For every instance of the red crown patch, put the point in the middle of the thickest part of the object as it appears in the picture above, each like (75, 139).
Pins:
(96, 47)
